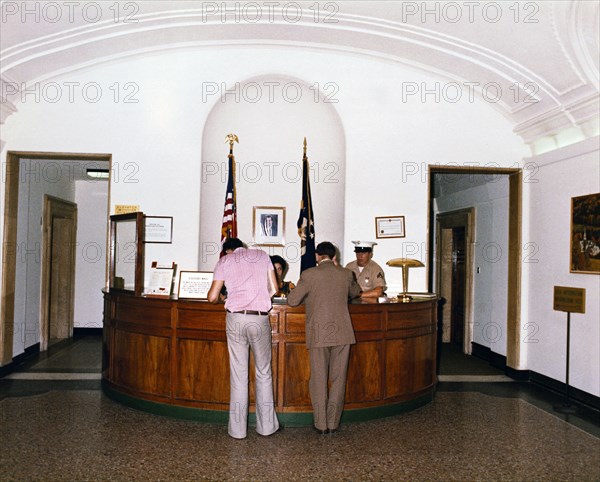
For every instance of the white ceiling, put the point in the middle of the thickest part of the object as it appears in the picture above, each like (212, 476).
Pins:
(545, 53)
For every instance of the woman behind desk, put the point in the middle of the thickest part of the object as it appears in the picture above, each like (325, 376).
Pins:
(281, 266)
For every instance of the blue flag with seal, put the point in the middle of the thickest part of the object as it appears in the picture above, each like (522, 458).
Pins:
(306, 225)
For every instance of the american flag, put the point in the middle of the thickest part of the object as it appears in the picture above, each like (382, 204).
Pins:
(229, 226)
(306, 225)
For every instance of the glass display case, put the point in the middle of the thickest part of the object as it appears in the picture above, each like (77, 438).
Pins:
(126, 269)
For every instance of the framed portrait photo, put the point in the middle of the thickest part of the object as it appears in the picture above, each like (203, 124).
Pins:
(585, 234)
(389, 227)
(268, 225)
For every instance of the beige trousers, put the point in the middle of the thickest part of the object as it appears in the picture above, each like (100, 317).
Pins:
(245, 332)
(328, 365)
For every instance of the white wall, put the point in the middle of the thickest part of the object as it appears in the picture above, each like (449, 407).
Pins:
(90, 260)
(158, 133)
(490, 287)
(269, 164)
(36, 179)
(563, 174)
(157, 150)
(391, 144)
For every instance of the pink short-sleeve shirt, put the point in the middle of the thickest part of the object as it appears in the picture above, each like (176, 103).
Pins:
(246, 276)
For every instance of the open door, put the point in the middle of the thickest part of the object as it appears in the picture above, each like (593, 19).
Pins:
(454, 246)
(59, 227)
(458, 285)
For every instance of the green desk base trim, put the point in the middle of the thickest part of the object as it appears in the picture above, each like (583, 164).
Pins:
(291, 419)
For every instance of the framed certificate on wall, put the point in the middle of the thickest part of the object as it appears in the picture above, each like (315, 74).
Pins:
(158, 229)
(389, 227)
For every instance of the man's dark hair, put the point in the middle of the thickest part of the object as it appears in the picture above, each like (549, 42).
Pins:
(232, 244)
(279, 260)
(326, 249)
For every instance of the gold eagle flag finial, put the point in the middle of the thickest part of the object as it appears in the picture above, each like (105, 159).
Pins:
(231, 138)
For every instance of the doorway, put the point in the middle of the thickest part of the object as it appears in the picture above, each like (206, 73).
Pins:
(455, 254)
(441, 252)
(53, 169)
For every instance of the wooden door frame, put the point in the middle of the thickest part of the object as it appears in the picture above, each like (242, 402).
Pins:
(455, 219)
(515, 196)
(9, 241)
(55, 207)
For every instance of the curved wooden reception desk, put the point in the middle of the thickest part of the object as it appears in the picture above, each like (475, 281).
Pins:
(170, 357)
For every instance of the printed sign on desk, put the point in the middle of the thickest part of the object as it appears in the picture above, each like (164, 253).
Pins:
(195, 284)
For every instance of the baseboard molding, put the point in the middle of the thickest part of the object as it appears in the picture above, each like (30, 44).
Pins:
(485, 353)
(30, 351)
(520, 375)
(81, 332)
(575, 394)
(499, 361)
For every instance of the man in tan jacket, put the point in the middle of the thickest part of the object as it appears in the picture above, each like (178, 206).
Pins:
(329, 333)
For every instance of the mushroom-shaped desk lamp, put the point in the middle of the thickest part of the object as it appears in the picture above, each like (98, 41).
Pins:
(404, 263)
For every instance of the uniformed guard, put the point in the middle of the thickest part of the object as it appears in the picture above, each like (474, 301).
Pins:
(369, 274)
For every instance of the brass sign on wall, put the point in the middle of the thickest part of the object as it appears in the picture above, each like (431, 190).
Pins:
(126, 208)
(569, 299)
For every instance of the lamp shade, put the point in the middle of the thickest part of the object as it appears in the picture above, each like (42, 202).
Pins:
(401, 262)
(405, 263)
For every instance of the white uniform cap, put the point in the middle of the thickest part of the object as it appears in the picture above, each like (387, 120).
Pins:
(363, 245)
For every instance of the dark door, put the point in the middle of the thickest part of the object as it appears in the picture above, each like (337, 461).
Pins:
(457, 319)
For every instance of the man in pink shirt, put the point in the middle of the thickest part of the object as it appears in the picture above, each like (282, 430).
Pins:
(249, 277)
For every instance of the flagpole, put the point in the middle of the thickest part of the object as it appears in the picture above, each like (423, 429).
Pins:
(307, 181)
(229, 227)
(306, 229)
(232, 138)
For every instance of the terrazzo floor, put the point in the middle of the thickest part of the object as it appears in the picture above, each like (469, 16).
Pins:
(68, 430)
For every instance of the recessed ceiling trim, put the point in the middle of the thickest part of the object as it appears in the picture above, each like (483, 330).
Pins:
(484, 58)
(506, 109)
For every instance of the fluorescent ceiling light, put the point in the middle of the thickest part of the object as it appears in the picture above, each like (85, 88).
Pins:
(97, 173)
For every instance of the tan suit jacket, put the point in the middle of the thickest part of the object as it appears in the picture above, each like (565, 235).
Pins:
(326, 288)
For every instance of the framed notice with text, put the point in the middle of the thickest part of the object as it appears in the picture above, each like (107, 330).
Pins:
(389, 227)
(194, 284)
(161, 280)
(268, 225)
(158, 229)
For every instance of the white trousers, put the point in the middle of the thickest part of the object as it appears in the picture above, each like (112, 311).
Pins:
(245, 332)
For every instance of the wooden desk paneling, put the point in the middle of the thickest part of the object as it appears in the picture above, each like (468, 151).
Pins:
(175, 352)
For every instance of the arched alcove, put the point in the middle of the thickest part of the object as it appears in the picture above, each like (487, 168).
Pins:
(271, 115)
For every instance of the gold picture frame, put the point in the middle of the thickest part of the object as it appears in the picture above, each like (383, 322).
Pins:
(585, 234)
(268, 225)
(390, 227)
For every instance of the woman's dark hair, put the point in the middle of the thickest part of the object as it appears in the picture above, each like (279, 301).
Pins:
(276, 259)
